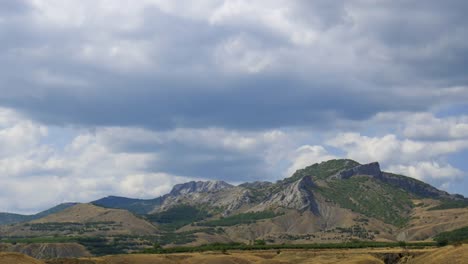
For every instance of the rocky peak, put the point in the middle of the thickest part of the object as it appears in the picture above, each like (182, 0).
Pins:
(256, 184)
(199, 186)
(371, 169)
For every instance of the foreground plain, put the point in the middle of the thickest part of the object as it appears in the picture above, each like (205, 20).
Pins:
(448, 254)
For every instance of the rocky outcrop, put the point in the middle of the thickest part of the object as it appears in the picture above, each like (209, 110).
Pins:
(256, 185)
(406, 183)
(371, 169)
(414, 186)
(297, 195)
(199, 186)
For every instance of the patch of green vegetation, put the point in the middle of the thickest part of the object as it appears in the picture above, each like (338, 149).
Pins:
(45, 239)
(178, 216)
(364, 195)
(97, 245)
(356, 231)
(264, 246)
(450, 204)
(70, 227)
(180, 238)
(136, 206)
(455, 236)
(320, 171)
(244, 218)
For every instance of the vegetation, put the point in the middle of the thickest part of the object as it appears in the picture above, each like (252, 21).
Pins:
(261, 246)
(31, 240)
(364, 195)
(136, 206)
(452, 237)
(322, 170)
(97, 245)
(180, 238)
(70, 227)
(244, 218)
(451, 204)
(178, 216)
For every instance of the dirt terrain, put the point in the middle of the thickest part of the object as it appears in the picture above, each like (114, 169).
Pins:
(47, 250)
(449, 254)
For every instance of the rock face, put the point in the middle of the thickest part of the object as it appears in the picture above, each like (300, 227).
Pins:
(371, 169)
(296, 195)
(199, 186)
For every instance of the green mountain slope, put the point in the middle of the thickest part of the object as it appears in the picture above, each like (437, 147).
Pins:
(136, 206)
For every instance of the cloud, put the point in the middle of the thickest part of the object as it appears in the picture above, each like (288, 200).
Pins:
(165, 65)
(96, 92)
(423, 160)
(428, 170)
(307, 155)
(389, 148)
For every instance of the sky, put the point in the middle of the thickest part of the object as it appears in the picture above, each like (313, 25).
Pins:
(128, 98)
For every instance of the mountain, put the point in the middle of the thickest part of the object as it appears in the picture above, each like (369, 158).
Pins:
(199, 187)
(333, 201)
(145, 206)
(8, 218)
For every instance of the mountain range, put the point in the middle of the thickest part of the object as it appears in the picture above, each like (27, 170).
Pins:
(333, 201)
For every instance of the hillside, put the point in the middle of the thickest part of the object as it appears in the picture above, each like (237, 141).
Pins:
(84, 219)
(17, 258)
(9, 218)
(47, 250)
(136, 206)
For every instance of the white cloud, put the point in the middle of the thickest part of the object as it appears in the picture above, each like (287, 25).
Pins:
(390, 149)
(307, 155)
(427, 170)
(423, 160)
(109, 161)
(39, 175)
(425, 126)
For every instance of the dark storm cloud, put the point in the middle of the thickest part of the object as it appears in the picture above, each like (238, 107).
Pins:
(423, 45)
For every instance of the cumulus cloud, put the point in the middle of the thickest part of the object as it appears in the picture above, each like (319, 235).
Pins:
(39, 175)
(163, 91)
(423, 160)
(307, 155)
(428, 170)
(170, 64)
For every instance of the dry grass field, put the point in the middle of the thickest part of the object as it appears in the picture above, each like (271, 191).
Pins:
(449, 254)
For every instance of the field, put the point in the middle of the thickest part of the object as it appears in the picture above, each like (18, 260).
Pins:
(449, 254)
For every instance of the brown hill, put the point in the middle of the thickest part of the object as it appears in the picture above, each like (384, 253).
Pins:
(425, 223)
(84, 219)
(47, 250)
(450, 254)
(17, 258)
